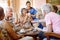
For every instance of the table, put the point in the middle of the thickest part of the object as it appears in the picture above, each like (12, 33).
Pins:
(32, 34)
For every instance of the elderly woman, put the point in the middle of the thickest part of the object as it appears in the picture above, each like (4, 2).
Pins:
(24, 18)
(50, 18)
(25, 24)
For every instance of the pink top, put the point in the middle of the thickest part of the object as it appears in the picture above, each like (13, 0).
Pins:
(54, 19)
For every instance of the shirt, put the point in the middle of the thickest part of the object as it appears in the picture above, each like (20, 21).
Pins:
(11, 19)
(4, 34)
(32, 11)
(54, 19)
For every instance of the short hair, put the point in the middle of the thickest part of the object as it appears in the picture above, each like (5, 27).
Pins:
(1, 12)
(9, 8)
(23, 9)
(55, 8)
(28, 2)
(47, 8)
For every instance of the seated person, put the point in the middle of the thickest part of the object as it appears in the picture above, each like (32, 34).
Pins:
(50, 13)
(6, 28)
(4, 25)
(24, 18)
(9, 17)
(24, 21)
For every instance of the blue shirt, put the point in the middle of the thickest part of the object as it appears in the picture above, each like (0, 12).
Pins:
(32, 11)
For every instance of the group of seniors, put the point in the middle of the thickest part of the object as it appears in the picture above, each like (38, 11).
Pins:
(28, 14)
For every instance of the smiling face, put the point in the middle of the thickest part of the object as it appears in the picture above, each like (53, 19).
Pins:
(24, 11)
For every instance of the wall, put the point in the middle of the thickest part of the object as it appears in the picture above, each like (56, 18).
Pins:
(38, 3)
(15, 5)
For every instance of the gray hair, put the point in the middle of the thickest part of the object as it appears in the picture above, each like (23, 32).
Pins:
(47, 8)
(9, 8)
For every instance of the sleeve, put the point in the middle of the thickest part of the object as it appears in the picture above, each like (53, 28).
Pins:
(35, 11)
(47, 20)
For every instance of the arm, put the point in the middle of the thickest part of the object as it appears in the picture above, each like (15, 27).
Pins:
(11, 31)
(48, 23)
(49, 28)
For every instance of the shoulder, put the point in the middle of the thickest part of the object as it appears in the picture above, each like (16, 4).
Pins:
(32, 8)
(49, 14)
(48, 17)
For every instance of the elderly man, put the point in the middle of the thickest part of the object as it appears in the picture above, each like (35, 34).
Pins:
(52, 20)
(9, 15)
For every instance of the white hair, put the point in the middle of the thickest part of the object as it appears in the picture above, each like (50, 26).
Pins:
(47, 8)
(8, 8)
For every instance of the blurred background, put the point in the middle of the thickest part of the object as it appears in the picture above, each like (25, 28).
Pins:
(16, 5)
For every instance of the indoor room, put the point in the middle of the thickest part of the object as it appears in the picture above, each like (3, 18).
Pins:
(29, 19)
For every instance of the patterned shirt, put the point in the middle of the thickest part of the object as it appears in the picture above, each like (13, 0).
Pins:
(3, 34)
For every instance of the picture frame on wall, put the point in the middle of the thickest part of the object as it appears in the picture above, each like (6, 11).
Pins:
(54, 2)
